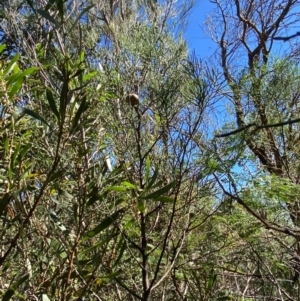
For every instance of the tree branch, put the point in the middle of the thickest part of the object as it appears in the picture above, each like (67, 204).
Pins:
(285, 39)
(258, 127)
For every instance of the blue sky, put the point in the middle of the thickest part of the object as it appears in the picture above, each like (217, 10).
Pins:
(204, 47)
(197, 39)
(201, 42)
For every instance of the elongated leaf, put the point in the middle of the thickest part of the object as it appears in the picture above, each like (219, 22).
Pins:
(35, 115)
(77, 73)
(82, 108)
(117, 188)
(129, 185)
(121, 252)
(95, 246)
(104, 224)
(213, 166)
(16, 88)
(159, 192)
(165, 199)
(141, 206)
(95, 196)
(224, 298)
(56, 175)
(13, 162)
(60, 6)
(81, 14)
(63, 98)
(47, 16)
(21, 75)
(153, 178)
(27, 173)
(52, 104)
(112, 275)
(24, 151)
(89, 76)
(147, 174)
(81, 56)
(212, 280)
(157, 184)
(11, 291)
(17, 79)
(3, 178)
(11, 64)
(11, 79)
(2, 47)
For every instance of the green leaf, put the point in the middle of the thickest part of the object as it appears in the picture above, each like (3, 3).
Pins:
(60, 6)
(11, 291)
(52, 104)
(89, 76)
(3, 178)
(147, 174)
(94, 196)
(13, 162)
(82, 108)
(95, 246)
(213, 165)
(117, 188)
(121, 250)
(35, 115)
(12, 79)
(47, 16)
(211, 281)
(159, 192)
(29, 71)
(24, 151)
(56, 175)
(81, 56)
(112, 275)
(10, 174)
(21, 75)
(224, 298)
(27, 172)
(77, 73)
(141, 206)
(158, 184)
(81, 14)
(153, 178)
(17, 79)
(129, 185)
(2, 47)
(11, 64)
(63, 98)
(165, 199)
(15, 88)
(103, 225)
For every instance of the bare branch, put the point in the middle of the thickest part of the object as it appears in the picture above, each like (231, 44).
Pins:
(258, 127)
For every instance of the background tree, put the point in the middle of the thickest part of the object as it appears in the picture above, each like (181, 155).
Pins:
(101, 196)
(259, 83)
